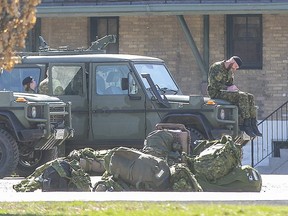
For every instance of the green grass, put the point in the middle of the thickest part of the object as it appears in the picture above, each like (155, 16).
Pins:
(138, 208)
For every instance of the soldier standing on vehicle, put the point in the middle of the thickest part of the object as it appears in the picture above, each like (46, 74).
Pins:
(221, 85)
(29, 85)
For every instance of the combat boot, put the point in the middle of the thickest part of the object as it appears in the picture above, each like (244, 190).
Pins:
(255, 128)
(247, 127)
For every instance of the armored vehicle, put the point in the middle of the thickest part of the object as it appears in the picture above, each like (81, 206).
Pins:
(118, 99)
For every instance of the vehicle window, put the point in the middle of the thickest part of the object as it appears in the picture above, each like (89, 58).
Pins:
(160, 76)
(109, 77)
(12, 80)
(67, 80)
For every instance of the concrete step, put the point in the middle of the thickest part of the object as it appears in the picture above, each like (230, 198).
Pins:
(281, 169)
(277, 165)
(264, 169)
(284, 153)
(276, 161)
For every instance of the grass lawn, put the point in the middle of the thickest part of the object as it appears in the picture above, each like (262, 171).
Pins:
(137, 208)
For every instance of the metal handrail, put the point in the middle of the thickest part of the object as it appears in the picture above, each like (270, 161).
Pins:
(274, 130)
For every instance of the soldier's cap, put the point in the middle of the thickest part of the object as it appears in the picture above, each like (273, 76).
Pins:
(238, 60)
(27, 80)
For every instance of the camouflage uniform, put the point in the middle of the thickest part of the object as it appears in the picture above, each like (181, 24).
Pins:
(43, 87)
(219, 79)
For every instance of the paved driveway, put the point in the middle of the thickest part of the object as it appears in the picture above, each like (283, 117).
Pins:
(274, 191)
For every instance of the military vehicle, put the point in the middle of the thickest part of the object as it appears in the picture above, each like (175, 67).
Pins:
(117, 99)
(31, 126)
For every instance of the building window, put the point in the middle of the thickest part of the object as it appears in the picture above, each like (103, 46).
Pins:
(101, 26)
(244, 38)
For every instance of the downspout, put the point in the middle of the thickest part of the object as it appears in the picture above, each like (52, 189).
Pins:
(206, 27)
(194, 48)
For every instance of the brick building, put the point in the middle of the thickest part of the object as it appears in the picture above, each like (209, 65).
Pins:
(189, 35)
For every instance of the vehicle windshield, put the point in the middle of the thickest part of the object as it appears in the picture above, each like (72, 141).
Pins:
(12, 80)
(160, 76)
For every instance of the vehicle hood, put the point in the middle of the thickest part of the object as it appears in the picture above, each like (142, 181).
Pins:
(193, 99)
(36, 97)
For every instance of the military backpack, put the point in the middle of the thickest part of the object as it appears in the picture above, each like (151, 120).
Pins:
(218, 159)
(62, 175)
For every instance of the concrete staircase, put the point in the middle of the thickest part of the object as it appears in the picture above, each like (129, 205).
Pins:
(277, 165)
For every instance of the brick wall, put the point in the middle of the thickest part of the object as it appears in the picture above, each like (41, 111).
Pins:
(65, 31)
(163, 37)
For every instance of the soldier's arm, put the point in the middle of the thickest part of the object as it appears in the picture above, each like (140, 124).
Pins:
(216, 78)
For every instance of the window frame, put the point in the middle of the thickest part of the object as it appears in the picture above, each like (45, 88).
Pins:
(231, 41)
(99, 30)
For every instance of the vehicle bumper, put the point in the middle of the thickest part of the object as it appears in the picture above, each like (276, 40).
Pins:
(37, 136)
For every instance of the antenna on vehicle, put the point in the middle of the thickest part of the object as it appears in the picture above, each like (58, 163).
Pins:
(43, 44)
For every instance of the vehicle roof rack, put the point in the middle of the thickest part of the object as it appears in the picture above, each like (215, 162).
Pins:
(96, 47)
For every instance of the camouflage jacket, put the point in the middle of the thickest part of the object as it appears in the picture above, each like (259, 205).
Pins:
(219, 78)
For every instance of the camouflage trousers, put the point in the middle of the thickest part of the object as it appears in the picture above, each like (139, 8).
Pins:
(244, 101)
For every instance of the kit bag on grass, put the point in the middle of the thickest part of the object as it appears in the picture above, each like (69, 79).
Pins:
(134, 168)
(240, 179)
(218, 159)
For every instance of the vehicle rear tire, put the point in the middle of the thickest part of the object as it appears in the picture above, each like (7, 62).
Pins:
(28, 164)
(195, 135)
(9, 154)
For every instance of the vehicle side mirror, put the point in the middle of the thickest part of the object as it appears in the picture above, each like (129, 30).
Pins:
(124, 84)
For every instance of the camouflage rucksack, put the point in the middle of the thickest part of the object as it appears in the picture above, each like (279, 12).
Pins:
(218, 159)
(134, 168)
(182, 179)
(64, 176)
(162, 144)
(91, 161)
(158, 143)
(240, 179)
(56, 175)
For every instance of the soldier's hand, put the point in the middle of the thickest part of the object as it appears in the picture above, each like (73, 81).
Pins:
(232, 88)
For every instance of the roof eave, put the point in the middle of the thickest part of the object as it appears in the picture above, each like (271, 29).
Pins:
(160, 9)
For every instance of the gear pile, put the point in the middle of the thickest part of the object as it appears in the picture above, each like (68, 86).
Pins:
(161, 165)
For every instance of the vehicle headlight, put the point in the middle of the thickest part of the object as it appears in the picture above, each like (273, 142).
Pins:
(225, 114)
(222, 114)
(33, 112)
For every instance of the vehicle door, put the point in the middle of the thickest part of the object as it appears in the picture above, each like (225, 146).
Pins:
(68, 82)
(118, 114)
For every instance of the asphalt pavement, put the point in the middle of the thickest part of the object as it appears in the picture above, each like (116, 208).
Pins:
(274, 191)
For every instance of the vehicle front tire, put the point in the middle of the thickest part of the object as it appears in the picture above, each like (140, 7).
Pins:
(9, 154)
(28, 164)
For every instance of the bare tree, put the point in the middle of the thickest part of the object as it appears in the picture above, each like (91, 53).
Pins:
(17, 17)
